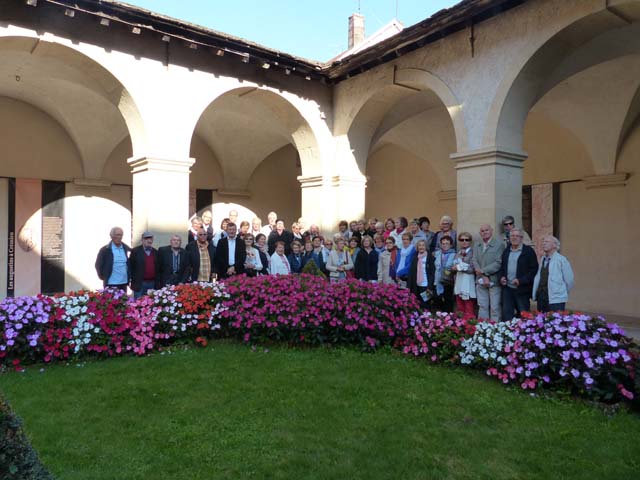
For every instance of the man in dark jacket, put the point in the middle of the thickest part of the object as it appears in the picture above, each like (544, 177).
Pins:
(172, 262)
(230, 254)
(112, 261)
(519, 268)
(280, 235)
(143, 265)
(201, 257)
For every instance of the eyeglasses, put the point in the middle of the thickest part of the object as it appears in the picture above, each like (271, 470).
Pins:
(202, 234)
(464, 239)
(506, 224)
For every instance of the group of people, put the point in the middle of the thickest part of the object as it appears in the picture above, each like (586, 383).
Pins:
(494, 278)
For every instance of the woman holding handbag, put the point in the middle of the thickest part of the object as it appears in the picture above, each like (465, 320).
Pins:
(339, 261)
(464, 288)
(421, 279)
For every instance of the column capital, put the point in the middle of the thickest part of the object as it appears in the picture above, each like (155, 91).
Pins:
(143, 164)
(489, 156)
(334, 181)
(311, 181)
(349, 180)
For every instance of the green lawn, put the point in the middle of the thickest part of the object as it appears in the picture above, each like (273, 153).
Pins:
(230, 412)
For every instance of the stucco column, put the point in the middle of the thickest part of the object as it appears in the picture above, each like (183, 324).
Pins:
(349, 197)
(326, 201)
(316, 202)
(489, 187)
(160, 197)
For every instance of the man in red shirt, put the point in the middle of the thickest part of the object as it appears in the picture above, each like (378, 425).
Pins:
(143, 265)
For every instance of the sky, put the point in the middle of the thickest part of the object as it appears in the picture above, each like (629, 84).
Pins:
(313, 29)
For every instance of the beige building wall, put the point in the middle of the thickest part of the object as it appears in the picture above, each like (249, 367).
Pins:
(34, 145)
(90, 213)
(401, 184)
(206, 173)
(599, 228)
(274, 186)
(116, 169)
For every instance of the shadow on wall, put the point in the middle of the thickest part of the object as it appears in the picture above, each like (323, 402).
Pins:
(57, 252)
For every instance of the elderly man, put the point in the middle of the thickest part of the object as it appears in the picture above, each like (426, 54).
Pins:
(230, 253)
(271, 225)
(112, 263)
(508, 224)
(172, 262)
(192, 233)
(207, 218)
(519, 267)
(200, 259)
(143, 265)
(554, 279)
(487, 262)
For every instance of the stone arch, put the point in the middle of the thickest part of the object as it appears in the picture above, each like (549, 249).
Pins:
(242, 126)
(372, 116)
(80, 93)
(579, 43)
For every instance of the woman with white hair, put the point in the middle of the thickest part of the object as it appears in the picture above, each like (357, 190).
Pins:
(554, 279)
(446, 229)
(339, 261)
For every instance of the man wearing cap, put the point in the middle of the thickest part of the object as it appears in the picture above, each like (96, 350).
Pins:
(143, 265)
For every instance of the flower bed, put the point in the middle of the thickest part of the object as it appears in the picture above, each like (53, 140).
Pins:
(567, 352)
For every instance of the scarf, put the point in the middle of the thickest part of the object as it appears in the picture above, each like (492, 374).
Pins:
(284, 260)
(422, 273)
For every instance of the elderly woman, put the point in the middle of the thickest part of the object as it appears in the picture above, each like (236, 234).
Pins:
(252, 261)
(338, 261)
(366, 263)
(400, 227)
(279, 264)
(446, 228)
(260, 242)
(421, 278)
(464, 288)
(343, 229)
(387, 262)
(406, 252)
(389, 225)
(444, 275)
(554, 280)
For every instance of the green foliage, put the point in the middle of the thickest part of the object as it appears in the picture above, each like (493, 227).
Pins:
(311, 267)
(233, 412)
(18, 461)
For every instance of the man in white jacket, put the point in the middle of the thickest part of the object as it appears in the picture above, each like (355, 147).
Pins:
(554, 279)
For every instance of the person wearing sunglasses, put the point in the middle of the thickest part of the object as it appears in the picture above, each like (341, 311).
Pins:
(464, 288)
(508, 224)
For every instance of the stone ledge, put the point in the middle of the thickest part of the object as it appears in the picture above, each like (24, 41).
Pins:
(488, 156)
(602, 181)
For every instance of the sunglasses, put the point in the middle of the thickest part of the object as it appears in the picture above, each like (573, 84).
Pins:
(464, 239)
(506, 224)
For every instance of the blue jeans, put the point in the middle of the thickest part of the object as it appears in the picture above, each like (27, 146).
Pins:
(146, 285)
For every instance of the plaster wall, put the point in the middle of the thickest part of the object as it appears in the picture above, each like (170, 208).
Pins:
(90, 213)
(402, 184)
(598, 229)
(34, 145)
(274, 186)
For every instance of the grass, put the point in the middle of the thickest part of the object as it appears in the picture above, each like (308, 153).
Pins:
(230, 412)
